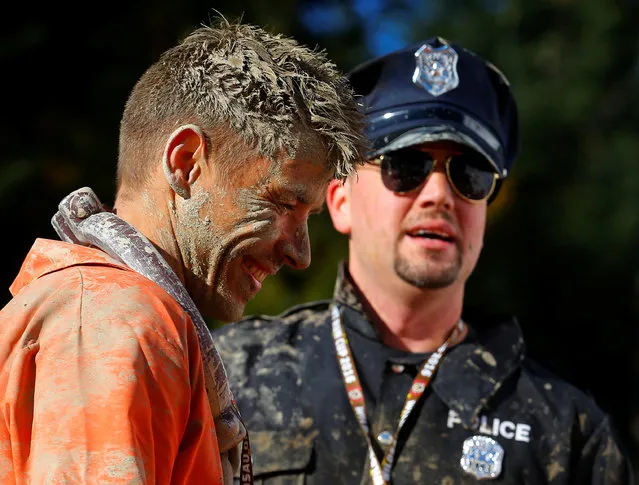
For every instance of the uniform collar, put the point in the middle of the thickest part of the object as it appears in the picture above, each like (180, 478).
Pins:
(472, 372)
(348, 296)
(345, 291)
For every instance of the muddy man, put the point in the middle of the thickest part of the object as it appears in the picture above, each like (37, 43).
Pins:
(108, 372)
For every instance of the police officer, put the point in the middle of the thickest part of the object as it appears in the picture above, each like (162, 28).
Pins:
(390, 381)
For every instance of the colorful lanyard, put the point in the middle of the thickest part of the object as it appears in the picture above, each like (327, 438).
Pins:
(380, 472)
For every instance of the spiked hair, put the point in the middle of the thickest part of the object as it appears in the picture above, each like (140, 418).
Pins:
(239, 80)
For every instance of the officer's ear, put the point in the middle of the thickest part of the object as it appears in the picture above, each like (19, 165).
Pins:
(184, 154)
(338, 203)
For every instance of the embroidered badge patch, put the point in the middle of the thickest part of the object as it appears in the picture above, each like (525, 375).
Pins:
(482, 457)
(436, 69)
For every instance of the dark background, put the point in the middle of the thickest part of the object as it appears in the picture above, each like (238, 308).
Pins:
(562, 239)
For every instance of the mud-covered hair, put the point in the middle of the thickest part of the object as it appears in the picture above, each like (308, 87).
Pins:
(269, 91)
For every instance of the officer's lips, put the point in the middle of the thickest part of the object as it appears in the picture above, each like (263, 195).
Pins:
(441, 231)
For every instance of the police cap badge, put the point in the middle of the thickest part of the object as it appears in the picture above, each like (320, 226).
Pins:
(436, 69)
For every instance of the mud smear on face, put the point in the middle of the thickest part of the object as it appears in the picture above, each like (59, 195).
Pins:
(235, 214)
(216, 226)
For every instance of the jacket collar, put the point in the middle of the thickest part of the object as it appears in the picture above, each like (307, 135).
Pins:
(47, 256)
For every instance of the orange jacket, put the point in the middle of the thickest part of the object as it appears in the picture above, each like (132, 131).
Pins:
(102, 377)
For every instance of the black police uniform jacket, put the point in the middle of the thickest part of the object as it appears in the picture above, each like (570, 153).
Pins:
(286, 379)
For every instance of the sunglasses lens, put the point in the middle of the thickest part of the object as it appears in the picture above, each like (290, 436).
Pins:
(405, 170)
(472, 176)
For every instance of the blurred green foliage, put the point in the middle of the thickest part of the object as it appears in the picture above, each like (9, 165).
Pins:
(561, 249)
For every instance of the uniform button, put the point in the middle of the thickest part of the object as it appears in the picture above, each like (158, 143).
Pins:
(385, 438)
(397, 368)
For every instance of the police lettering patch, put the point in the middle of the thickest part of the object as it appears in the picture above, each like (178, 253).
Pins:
(482, 457)
(436, 69)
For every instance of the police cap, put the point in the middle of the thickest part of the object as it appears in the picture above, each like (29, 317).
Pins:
(435, 90)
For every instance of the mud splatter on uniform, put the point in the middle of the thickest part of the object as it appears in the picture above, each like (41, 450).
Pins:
(285, 377)
(102, 375)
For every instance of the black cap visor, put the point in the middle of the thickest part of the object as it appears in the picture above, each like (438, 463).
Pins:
(407, 126)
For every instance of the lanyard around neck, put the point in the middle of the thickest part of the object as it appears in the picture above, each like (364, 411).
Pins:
(380, 472)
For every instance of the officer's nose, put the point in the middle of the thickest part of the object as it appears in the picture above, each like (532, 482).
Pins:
(436, 191)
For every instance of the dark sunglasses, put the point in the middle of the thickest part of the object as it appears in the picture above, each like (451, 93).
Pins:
(469, 173)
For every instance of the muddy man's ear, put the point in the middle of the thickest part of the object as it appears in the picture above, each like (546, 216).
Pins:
(184, 154)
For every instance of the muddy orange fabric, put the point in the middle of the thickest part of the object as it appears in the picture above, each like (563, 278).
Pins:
(102, 377)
